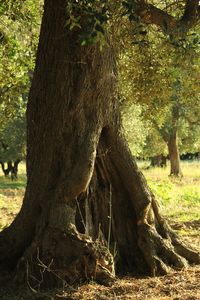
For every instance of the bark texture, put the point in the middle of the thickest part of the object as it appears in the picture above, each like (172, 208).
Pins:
(85, 197)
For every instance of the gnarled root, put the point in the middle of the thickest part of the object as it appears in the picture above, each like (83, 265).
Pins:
(62, 258)
(159, 253)
(161, 247)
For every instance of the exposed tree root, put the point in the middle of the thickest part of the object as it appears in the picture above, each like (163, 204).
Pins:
(162, 248)
(62, 258)
(159, 253)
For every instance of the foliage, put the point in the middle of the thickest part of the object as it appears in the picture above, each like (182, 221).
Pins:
(94, 17)
(13, 134)
(19, 28)
(136, 130)
(161, 76)
(179, 199)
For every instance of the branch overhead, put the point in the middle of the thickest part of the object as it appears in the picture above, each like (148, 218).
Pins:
(150, 14)
(191, 14)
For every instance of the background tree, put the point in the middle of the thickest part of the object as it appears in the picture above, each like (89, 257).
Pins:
(13, 140)
(19, 29)
(161, 75)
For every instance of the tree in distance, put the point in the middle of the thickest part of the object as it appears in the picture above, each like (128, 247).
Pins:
(159, 72)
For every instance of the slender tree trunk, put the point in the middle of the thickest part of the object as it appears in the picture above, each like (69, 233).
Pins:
(11, 168)
(14, 170)
(174, 157)
(3, 167)
(85, 196)
(7, 170)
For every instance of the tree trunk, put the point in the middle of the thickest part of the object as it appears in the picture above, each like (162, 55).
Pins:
(85, 197)
(9, 168)
(12, 168)
(158, 161)
(174, 157)
(3, 168)
(14, 171)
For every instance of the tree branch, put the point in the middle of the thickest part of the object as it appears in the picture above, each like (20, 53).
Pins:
(191, 14)
(150, 14)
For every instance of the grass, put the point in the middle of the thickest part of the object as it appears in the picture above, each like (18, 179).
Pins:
(20, 183)
(7, 184)
(11, 195)
(179, 201)
(179, 198)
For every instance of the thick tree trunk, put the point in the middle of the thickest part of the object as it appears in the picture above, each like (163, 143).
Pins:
(85, 196)
(71, 98)
(174, 157)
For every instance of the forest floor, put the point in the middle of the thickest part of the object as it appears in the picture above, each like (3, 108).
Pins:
(179, 201)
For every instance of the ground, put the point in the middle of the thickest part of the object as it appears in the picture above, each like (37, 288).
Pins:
(179, 201)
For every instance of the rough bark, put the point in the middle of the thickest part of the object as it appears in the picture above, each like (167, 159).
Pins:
(85, 196)
(71, 98)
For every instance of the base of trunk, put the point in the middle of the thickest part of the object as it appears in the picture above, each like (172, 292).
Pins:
(72, 239)
(58, 258)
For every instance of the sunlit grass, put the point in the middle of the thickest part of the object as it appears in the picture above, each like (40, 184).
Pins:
(11, 195)
(6, 183)
(20, 183)
(179, 198)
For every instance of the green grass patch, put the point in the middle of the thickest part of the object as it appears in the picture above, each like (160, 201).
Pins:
(20, 183)
(179, 198)
(7, 183)
(11, 195)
